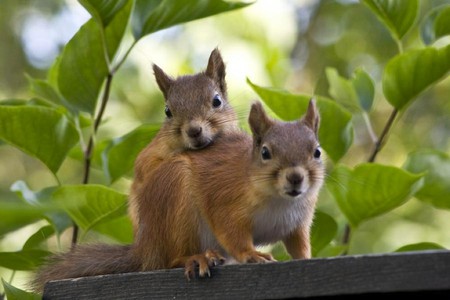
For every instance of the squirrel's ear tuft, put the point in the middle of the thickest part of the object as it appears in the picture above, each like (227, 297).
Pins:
(312, 118)
(163, 80)
(259, 121)
(216, 70)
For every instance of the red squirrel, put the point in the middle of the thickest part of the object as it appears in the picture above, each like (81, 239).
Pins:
(197, 112)
(219, 202)
(237, 194)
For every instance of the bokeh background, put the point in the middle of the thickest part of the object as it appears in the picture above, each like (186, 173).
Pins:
(286, 44)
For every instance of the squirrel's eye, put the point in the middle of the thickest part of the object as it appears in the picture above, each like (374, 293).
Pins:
(217, 102)
(265, 153)
(168, 112)
(317, 152)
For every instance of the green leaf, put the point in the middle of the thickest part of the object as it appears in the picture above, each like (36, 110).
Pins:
(118, 158)
(119, 229)
(25, 260)
(89, 205)
(410, 73)
(38, 237)
(13, 293)
(84, 66)
(15, 215)
(354, 94)
(152, 15)
(397, 15)
(41, 132)
(56, 217)
(419, 247)
(370, 190)
(436, 165)
(342, 90)
(323, 231)
(336, 129)
(43, 89)
(103, 11)
(436, 24)
(364, 88)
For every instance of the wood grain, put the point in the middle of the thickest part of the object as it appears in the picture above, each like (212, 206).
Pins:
(424, 273)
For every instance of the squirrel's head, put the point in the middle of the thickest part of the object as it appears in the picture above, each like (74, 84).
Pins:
(287, 153)
(197, 109)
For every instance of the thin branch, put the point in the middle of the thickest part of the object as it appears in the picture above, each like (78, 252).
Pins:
(380, 142)
(90, 146)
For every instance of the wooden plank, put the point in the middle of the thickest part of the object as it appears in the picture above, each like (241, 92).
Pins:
(425, 272)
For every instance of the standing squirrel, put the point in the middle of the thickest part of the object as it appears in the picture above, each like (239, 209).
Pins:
(226, 199)
(197, 112)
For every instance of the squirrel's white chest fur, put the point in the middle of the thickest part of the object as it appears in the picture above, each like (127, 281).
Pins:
(280, 217)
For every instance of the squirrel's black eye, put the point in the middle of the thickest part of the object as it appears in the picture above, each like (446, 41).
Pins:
(168, 112)
(217, 102)
(265, 153)
(317, 152)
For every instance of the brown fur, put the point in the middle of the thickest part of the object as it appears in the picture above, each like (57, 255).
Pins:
(189, 99)
(211, 198)
(225, 199)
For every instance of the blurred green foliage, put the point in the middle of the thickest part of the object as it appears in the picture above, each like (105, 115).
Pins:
(379, 70)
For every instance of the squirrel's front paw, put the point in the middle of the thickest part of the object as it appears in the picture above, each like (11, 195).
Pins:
(204, 261)
(255, 257)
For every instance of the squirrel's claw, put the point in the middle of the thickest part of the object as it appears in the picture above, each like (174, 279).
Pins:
(204, 261)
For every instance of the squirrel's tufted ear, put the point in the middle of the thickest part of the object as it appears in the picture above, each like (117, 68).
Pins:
(216, 70)
(312, 118)
(164, 81)
(259, 121)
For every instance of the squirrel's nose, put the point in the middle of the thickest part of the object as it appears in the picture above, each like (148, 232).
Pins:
(295, 178)
(194, 131)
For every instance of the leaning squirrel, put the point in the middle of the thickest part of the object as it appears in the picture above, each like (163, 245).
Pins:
(197, 112)
(226, 199)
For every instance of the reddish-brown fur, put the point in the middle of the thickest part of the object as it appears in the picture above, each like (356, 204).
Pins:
(225, 199)
(189, 99)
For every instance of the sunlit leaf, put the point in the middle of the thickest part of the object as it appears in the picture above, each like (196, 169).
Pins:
(41, 132)
(84, 66)
(342, 90)
(25, 260)
(103, 11)
(436, 24)
(323, 231)
(89, 205)
(370, 190)
(436, 165)
(14, 215)
(118, 158)
(409, 74)
(13, 293)
(420, 247)
(56, 217)
(336, 129)
(397, 15)
(43, 89)
(153, 15)
(38, 237)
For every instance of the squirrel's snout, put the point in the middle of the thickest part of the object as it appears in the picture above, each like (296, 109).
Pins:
(294, 179)
(194, 131)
